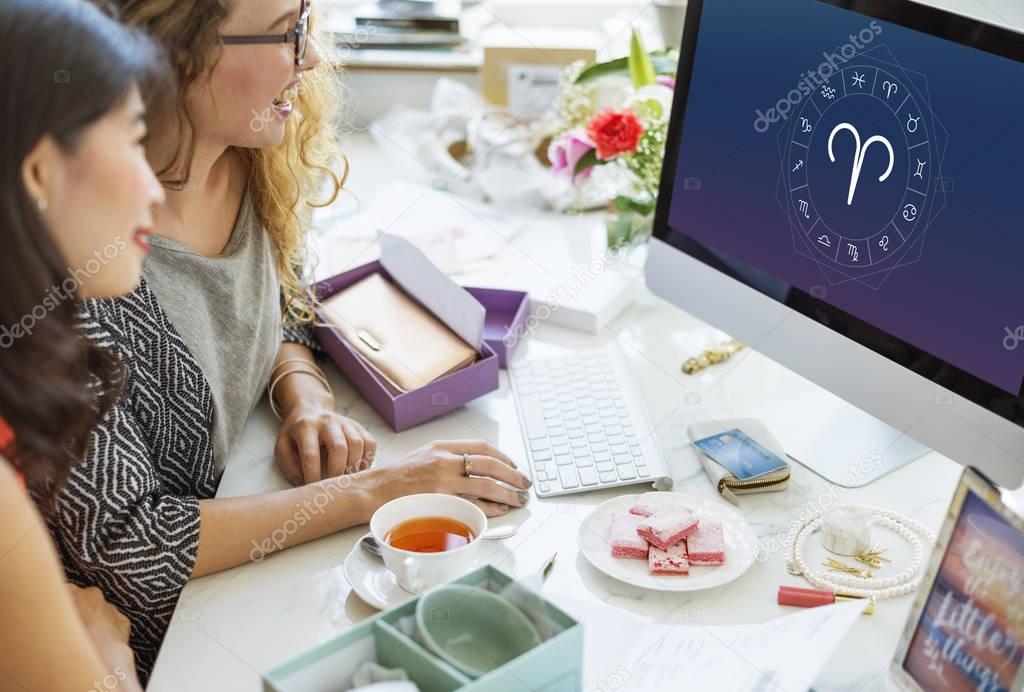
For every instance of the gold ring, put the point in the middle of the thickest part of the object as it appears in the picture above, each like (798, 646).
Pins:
(467, 465)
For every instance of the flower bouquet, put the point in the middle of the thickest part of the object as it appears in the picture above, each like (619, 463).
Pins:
(615, 115)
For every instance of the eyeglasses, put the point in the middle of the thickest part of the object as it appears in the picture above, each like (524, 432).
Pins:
(299, 35)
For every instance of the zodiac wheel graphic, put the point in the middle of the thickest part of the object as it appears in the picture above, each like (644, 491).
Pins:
(861, 176)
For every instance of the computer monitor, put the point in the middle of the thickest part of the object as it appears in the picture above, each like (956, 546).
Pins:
(843, 191)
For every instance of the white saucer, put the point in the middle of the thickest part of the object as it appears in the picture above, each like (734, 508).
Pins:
(740, 547)
(375, 583)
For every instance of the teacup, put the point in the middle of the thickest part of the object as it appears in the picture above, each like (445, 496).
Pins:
(416, 571)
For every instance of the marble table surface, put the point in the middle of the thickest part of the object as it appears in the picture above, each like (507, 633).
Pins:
(230, 627)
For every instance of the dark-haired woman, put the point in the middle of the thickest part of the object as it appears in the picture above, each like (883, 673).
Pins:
(76, 198)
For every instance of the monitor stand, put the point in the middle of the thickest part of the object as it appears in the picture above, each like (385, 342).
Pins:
(838, 441)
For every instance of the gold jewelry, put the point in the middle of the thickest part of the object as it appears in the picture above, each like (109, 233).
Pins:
(273, 383)
(285, 362)
(872, 558)
(467, 465)
(837, 566)
(712, 356)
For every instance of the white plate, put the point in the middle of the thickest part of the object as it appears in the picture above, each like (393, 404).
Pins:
(740, 547)
(376, 584)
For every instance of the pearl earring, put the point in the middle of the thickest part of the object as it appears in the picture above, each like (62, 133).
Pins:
(42, 204)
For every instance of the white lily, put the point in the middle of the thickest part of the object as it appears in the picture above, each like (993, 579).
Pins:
(653, 98)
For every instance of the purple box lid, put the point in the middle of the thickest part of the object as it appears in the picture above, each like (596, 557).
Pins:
(505, 324)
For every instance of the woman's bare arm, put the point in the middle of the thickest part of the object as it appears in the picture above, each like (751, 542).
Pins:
(44, 643)
(238, 530)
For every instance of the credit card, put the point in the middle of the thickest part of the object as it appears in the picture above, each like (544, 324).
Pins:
(743, 456)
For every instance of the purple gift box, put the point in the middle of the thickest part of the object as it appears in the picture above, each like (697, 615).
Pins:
(505, 322)
(506, 313)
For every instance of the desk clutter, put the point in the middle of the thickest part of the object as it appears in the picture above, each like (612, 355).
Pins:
(847, 530)
(489, 631)
(473, 626)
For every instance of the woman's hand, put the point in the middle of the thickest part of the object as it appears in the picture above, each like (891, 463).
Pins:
(310, 427)
(439, 468)
(108, 629)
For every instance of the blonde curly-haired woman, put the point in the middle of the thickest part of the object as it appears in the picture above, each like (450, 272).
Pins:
(246, 153)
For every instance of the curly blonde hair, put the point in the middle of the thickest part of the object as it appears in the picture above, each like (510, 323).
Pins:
(286, 180)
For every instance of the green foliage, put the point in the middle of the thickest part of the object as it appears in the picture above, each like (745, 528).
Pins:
(664, 63)
(641, 70)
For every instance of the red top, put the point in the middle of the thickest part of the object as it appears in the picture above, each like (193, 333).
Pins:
(6, 438)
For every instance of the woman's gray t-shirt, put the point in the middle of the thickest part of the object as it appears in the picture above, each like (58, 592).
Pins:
(227, 309)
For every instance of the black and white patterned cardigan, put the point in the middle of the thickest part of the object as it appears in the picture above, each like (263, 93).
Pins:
(127, 519)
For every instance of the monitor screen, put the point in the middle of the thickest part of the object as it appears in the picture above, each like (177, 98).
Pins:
(866, 168)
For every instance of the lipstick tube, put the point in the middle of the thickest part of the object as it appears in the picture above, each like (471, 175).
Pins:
(810, 598)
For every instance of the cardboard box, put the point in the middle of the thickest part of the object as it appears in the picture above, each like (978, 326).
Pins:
(521, 66)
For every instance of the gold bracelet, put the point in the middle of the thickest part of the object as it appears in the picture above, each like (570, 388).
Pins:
(712, 356)
(285, 362)
(318, 375)
(301, 361)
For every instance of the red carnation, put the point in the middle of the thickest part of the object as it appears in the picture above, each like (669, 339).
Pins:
(615, 132)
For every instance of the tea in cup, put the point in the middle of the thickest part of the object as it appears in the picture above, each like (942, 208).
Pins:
(429, 535)
(428, 538)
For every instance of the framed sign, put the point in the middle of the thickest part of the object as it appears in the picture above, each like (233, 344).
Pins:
(966, 629)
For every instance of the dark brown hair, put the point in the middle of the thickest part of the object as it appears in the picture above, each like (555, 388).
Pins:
(66, 64)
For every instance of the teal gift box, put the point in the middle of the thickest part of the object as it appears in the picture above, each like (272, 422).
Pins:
(554, 666)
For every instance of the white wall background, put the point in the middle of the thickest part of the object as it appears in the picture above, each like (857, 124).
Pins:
(1005, 12)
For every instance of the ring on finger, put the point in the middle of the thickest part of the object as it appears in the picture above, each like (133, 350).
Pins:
(467, 465)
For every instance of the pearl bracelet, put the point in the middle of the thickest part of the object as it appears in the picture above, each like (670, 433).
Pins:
(906, 581)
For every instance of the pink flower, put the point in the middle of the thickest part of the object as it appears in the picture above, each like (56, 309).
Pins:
(566, 151)
(615, 132)
(666, 80)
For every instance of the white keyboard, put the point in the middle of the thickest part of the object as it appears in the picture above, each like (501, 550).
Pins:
(584, 425)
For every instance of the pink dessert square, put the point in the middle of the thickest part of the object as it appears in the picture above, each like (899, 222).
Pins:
(650, 503)
(624, 539)
(667, 527)
(706, 546)
(671, 561)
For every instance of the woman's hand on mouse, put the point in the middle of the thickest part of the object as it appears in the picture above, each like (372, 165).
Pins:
(494, 482)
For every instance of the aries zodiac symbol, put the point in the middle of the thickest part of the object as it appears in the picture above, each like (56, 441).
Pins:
(858, 155)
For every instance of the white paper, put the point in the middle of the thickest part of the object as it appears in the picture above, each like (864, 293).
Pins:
(454, 231)
(784, 655)
(449, 302)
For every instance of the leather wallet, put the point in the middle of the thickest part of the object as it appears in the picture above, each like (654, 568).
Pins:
(400, 340)
(728, 485)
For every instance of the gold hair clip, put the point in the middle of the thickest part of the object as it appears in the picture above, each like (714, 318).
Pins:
(872, 558)
(712, 356)
(837, 566)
